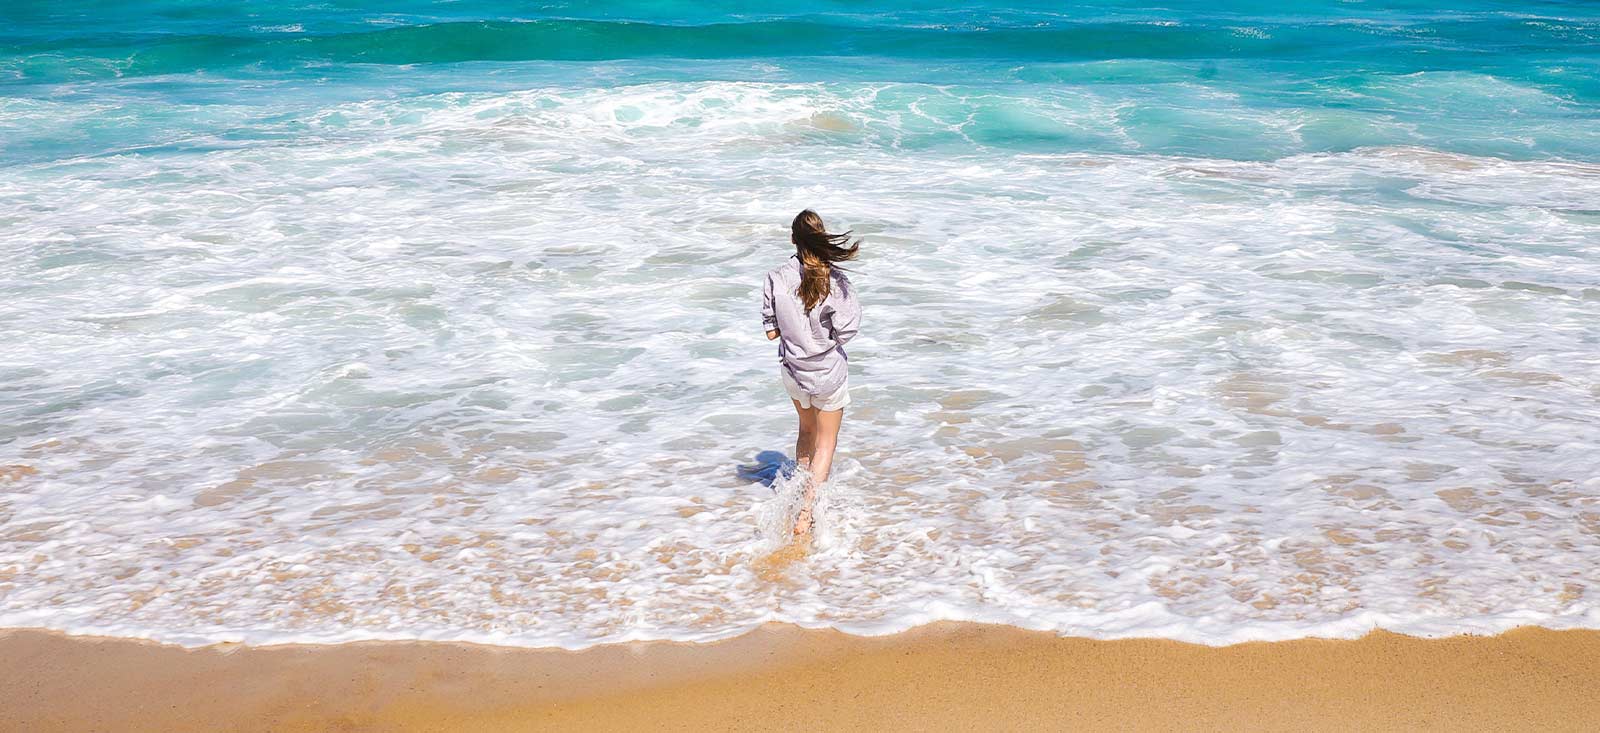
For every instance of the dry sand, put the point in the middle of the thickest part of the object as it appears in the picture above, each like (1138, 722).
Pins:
(941, 677)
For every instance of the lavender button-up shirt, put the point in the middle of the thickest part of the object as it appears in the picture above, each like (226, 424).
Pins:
(811, 345)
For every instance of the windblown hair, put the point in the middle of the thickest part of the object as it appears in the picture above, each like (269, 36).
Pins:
(819, 251)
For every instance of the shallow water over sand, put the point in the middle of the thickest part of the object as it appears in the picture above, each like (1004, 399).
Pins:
(1160, 357)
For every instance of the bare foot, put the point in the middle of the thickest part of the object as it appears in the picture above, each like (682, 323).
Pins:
(804, 522)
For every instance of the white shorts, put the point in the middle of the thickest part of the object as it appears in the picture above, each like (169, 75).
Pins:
(835, 400)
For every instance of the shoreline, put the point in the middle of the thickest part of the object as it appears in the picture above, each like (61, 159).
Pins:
(944, 675)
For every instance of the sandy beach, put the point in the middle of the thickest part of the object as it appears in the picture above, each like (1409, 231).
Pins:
(942, 677)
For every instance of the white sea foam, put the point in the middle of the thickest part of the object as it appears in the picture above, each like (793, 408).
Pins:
(481, 366)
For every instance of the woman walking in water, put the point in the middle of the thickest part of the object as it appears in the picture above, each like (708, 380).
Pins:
(809, 306)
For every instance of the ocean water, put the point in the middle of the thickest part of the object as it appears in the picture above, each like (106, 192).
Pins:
(1222, 321)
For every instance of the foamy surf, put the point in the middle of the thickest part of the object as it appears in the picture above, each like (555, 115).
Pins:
(310, 350)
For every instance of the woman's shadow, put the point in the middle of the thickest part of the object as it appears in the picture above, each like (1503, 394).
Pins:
(770, 466)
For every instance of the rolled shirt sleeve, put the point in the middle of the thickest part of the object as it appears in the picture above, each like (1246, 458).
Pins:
(769, 316)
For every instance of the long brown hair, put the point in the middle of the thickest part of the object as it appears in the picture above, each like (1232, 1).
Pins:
(818, 252)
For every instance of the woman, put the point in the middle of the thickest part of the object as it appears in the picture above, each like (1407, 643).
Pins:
(809, 306)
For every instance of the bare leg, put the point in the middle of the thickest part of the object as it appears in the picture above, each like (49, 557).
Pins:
(805, 447)
(825, 439)
(805, 443)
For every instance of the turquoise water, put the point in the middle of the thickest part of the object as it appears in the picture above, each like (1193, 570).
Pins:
(1511, 79)
(1218, 321)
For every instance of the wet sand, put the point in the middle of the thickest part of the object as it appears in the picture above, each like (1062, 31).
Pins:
(941, 677)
